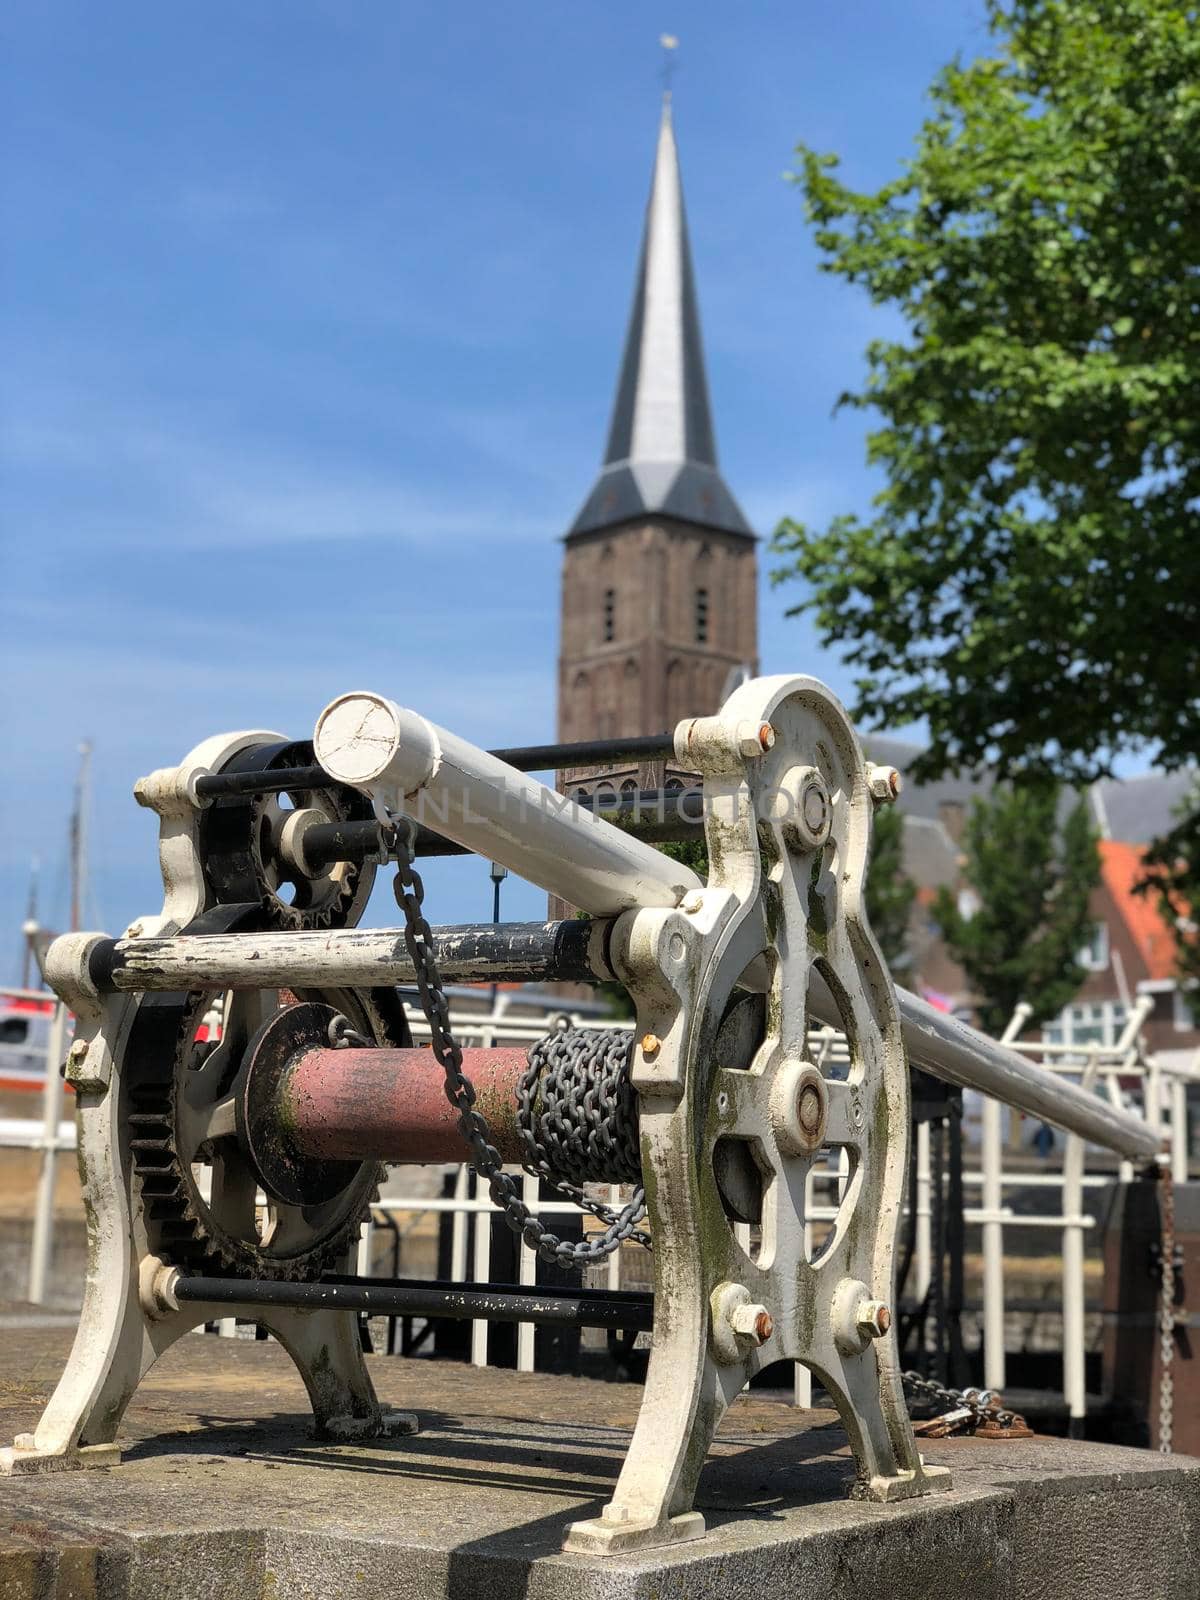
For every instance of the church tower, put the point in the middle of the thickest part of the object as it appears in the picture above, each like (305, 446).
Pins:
(659, 593)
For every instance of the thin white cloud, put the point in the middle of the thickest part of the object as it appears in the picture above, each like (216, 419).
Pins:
(205, 494)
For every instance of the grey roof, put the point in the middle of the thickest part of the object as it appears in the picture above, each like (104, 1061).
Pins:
(1136, 810)
(1132, 810)
(661, 455)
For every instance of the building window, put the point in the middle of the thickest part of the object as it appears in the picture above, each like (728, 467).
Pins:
(1094, 954)
(1185, 1009)
(1099, 1022)
(610, 615)
(701, 616)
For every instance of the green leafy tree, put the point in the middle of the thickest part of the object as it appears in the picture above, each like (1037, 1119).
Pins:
(1032, 881)
(1027, 581)
(890, 891)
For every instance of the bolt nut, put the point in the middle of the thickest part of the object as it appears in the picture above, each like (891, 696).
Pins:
(755, 740)
(885, 784)
(651, 1044)
(752, 1322)
(873, 1318)
(692, 902)
(77, 1052)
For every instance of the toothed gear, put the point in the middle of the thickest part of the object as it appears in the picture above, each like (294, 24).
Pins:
(240, 837)
(171, 1083)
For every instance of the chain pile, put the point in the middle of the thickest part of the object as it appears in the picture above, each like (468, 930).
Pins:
(976, 1411)
(484, 1157)
(578, 1117)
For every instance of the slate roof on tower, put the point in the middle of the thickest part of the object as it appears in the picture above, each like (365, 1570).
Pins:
(661, 456)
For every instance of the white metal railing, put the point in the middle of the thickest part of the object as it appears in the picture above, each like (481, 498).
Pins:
(1121, 1071)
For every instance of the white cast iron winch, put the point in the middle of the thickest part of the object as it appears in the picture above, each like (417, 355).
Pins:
(251, 1035)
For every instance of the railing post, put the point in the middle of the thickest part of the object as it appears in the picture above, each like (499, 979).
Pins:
(43, 1214)
(527, 1274)
(1179, 1129)
(993, 1245)
(991, 1160)
(481, 1272)
(923, 1248)
(1074, 1370)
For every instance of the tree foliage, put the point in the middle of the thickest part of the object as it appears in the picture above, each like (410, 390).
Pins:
(890, 891)
(1028, 579)
(1032, 881)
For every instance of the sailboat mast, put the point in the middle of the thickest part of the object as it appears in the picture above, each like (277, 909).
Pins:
(31, 922)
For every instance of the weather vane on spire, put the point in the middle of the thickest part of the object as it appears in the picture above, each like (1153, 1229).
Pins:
(670, 43)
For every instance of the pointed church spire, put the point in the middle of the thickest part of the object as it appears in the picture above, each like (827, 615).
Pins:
(661, 455)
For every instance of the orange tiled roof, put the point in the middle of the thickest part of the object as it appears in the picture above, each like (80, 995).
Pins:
(1122, 866)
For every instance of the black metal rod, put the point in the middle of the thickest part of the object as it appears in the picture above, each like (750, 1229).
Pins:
(526, 758)
(589, 752)
(215, 785)
(457, 1302)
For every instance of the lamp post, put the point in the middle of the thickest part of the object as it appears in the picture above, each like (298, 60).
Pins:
(498, 874)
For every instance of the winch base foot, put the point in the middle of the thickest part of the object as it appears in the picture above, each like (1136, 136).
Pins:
(24, 1459)
(602, 1537)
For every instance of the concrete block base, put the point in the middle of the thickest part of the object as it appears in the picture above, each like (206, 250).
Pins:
(224, 1492)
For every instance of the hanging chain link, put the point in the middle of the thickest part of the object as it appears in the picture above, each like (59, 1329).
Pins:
(1166, 1313)
(977, 1411)
(484, 1157)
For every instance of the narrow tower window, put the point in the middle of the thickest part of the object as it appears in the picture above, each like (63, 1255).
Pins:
(701, 616)
(610, 615)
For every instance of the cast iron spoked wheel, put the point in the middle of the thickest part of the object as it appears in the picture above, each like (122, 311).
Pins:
(244, 863)
(182, 1061)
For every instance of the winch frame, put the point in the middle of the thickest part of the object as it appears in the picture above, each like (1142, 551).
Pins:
(788, 802)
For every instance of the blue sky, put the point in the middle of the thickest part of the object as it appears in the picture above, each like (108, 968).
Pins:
(311, 318)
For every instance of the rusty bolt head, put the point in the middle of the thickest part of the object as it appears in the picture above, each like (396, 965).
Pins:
(755, 740)
(873, 1318)
(752, 1322)
(885, 784)
(651, 1044)
(693, 902)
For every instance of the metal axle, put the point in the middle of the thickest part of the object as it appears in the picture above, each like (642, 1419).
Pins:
(575, 950)
(459, 1302)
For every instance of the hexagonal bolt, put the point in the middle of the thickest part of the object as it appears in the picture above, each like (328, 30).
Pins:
(78, 1052)
(885, 784)
(755, 741)
(752, 1322)
(692, 902)
(651, 1044)
(873, 1318)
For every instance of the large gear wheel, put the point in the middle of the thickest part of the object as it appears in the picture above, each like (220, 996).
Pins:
(244, 862)
(180, 1115)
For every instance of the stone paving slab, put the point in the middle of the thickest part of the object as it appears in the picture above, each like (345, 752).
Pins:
(223, 1493)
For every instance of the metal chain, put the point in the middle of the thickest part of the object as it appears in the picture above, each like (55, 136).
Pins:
(484, 1157)
(342, 1035)
(967, 1410)
(1166, 1313)
(577, 1112)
